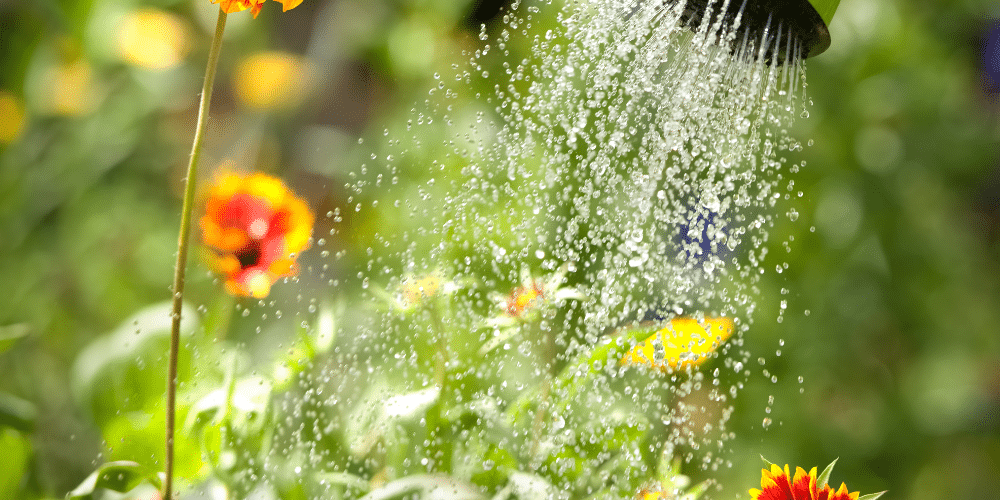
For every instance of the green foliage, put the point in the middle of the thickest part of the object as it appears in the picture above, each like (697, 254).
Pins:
(824, 477)
(17, 454)
(121, 476)
(894, 255)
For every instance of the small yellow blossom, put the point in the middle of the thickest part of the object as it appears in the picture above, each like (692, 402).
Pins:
(153, 39)
(270, 80)
(684, 342)
(70, 89)
(11, 117)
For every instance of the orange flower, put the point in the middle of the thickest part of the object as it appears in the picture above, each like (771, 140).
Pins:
(684, 342)
(231, 6)
(256, 227)
(778, 484)
(524, 298)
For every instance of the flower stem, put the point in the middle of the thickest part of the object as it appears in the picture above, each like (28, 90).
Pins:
(440, 445)
(183, 241)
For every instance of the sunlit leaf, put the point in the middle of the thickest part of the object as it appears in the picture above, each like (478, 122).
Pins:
(10, 334)
(824, 477)
(119, 476)
(16, 413)
(428, 487)
(697, 490)
(119, 362)
(531, 487)
(349, 481)
(16, 451)
(873, 496)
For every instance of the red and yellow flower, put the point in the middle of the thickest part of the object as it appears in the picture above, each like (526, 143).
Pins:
(231, 6)
(779, 484)
(255, 227)
(684, 342)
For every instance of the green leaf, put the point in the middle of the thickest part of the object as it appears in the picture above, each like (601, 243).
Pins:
(114, 367)
(612, 432)
(12, 333)
(874, 496)
(697, 490)
(116, 476)
(17, 413)
(428, 487)
(343, 479)
(575, 375)
(824, 477)
(766, 461)
(17, 458)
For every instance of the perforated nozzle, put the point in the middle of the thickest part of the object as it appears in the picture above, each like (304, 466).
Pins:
(803, 21)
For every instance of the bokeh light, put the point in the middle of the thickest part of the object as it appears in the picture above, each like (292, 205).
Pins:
(271, 80)
(71, 91)
(153, 39)
(11, 117)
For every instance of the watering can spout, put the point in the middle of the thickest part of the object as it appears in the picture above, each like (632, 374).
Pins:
(806, 21)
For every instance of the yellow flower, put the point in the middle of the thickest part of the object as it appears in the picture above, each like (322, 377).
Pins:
(153, 39)
(685, 342)
(256, 227)
(231, 6)
(70, 89)
(11, 117)
(271, 80)
(414, 290)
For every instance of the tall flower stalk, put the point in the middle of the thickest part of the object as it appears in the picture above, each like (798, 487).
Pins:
(183, 242)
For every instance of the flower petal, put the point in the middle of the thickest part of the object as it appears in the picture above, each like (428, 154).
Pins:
(685, 342)
(804, 485)
(843, 494)
(247, 223)
(287, 5)
(232, 6)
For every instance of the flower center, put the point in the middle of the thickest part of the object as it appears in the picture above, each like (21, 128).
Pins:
(249, 255)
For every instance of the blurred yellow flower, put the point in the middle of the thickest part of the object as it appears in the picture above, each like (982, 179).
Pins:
(684, 342)
(153, 39)
(270, 80)
(256, 227)
(11, 117)
(231, 6)
(415, 290)
(71, 92)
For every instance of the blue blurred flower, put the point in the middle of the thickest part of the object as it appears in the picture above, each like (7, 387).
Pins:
(991, 58)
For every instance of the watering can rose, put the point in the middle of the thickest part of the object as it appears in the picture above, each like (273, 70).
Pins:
(254, 227)
(231, 6)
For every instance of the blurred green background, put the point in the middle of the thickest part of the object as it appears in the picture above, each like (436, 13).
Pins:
(889, 352)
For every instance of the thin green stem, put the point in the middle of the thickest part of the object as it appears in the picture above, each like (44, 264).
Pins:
(548, 338)
(440, 449)
(183, 242)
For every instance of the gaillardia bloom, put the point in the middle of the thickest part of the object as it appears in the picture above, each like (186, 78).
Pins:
(231, 6)
(684, 342)
(255, 227)
(778, 484)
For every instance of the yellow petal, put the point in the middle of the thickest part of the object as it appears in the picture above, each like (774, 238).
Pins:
(287, 5)
(685, 342)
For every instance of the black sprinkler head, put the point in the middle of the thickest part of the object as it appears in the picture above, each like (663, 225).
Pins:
(797, 21)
